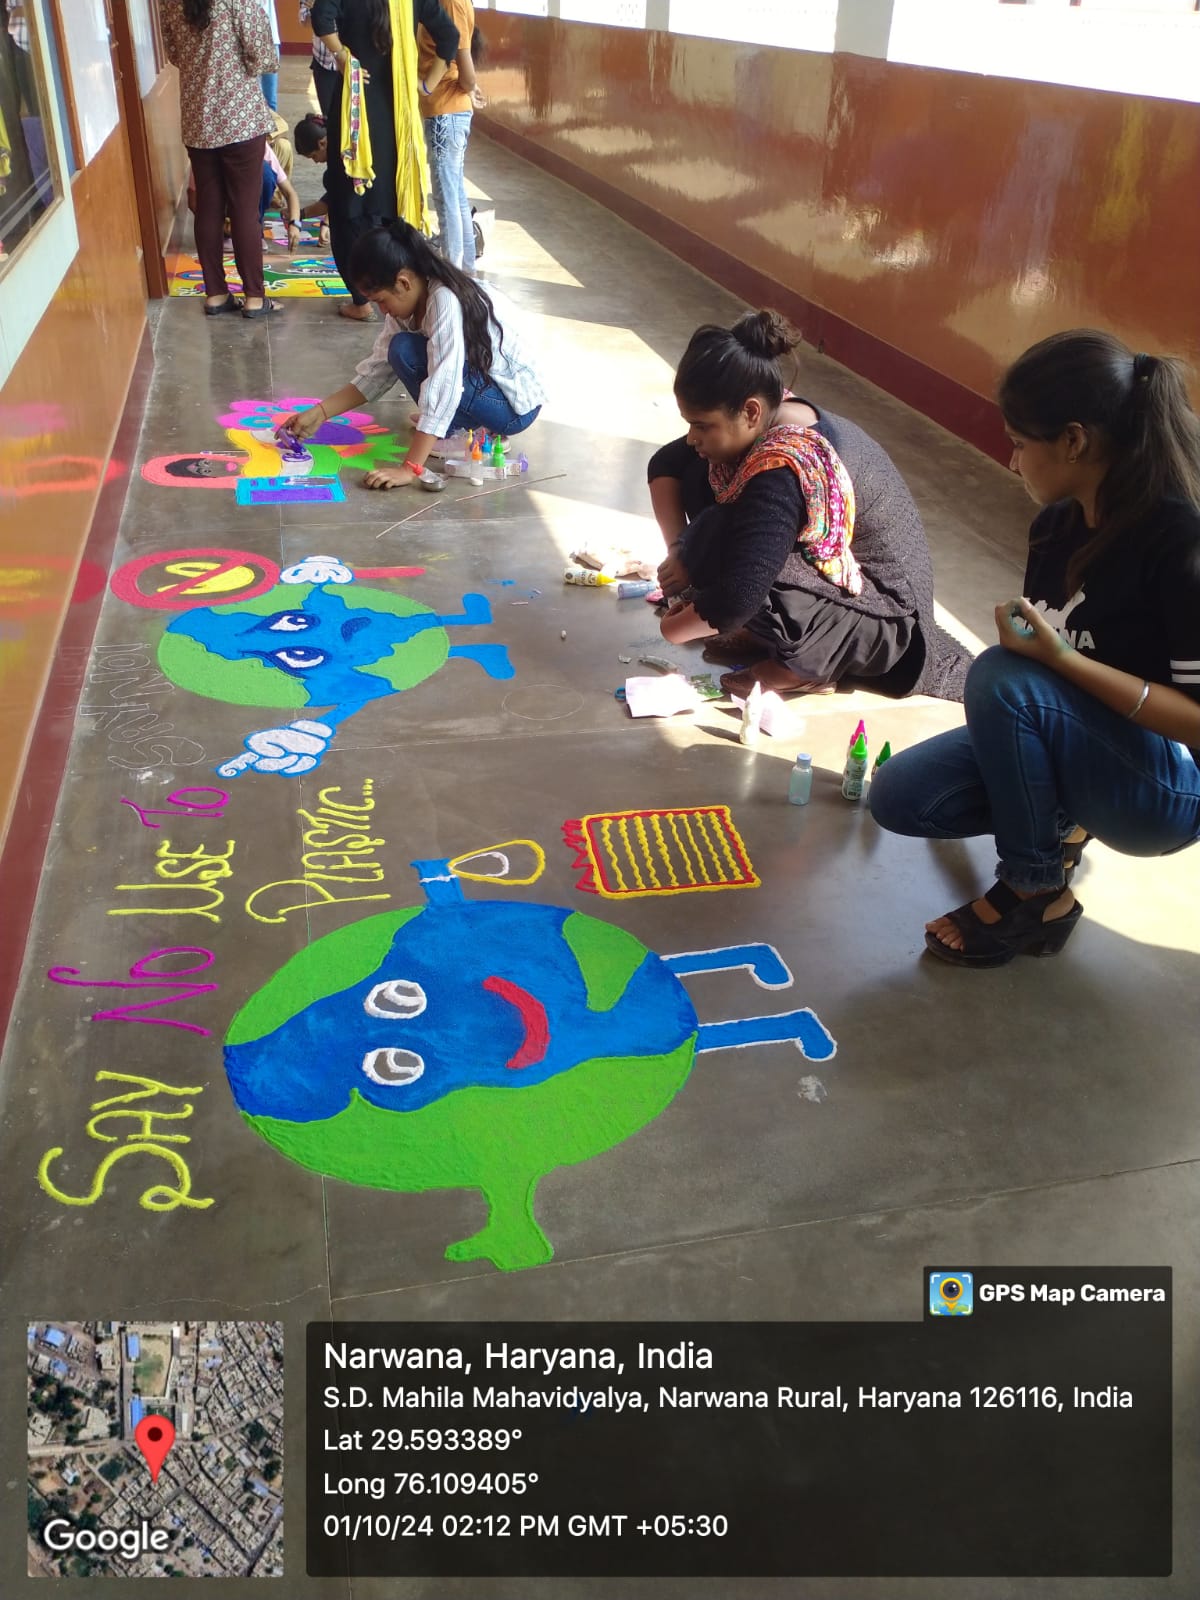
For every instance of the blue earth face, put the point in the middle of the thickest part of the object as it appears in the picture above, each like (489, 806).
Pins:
(323, 639)
(468, 994)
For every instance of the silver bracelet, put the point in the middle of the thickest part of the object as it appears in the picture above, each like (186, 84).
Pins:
(1141, 701)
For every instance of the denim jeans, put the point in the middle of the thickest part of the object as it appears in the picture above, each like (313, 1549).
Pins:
(446, 142)
(1038, 757)
(483, 403)
(268, 191)
(270, 89)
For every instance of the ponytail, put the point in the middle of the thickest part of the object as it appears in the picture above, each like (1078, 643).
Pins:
(197, 13)
(722, 368)
(378, 259)
(1137, 413)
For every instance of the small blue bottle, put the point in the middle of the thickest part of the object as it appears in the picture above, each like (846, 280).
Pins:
(800, 781)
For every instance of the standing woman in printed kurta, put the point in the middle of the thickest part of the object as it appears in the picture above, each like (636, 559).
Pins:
(221, 48)
(1085, 719)
(368, 32)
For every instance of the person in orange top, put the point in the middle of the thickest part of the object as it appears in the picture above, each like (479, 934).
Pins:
(447, 109)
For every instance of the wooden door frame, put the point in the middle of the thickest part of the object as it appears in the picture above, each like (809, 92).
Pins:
(153, 265)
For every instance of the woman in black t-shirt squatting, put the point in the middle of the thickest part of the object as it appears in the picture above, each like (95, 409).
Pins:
(1085, 719)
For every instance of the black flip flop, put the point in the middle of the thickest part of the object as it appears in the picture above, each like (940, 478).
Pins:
(228, 304)
(267, 309)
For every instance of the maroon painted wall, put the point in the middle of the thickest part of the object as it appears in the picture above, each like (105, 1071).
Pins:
(922, 226)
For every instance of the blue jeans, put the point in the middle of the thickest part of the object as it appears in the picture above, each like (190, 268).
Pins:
(1037, 758)
(270, 89)
(446, 143)
(268, 191)
(483, 403)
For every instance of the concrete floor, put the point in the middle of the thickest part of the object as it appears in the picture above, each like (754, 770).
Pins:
(1042, 1114)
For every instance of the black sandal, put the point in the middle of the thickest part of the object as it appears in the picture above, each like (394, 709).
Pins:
(1020, 929)
(228, 304)
(267, 309)
(1072, 853)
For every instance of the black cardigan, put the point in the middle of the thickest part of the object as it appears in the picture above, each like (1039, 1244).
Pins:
(347, 18)
(889, 545)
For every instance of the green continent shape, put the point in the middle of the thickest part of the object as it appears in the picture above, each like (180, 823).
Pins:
(500, 1141)
(335, 962)
(239, 683)
(193, 666)
(418, 658)
(376, 450)
(608, 957)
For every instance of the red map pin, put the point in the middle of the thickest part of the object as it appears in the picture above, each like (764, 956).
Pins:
(155, 1435)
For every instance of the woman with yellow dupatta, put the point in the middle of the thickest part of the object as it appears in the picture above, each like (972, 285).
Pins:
(376, 167)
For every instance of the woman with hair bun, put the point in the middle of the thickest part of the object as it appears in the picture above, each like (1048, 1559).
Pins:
(791, 535)
(455, 346)
(1085, 719)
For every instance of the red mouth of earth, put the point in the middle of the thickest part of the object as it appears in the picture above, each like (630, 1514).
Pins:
(533, 1018)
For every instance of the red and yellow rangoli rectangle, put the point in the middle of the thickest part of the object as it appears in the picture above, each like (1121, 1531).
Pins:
(628, 853)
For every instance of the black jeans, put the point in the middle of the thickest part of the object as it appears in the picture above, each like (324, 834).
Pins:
(325, 81)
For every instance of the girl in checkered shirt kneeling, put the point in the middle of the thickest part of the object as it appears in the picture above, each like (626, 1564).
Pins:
(455, 346)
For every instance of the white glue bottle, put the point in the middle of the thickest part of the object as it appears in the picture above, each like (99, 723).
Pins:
(800, 781)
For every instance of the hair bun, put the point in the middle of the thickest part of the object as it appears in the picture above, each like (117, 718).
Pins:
(766, 334)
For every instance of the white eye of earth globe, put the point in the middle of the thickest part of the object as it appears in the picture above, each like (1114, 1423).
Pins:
(393, 1067)
(398, 997)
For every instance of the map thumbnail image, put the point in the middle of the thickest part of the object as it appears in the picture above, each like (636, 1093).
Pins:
(155, 1449)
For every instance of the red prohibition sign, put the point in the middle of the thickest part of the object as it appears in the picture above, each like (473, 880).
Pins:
(200, 587)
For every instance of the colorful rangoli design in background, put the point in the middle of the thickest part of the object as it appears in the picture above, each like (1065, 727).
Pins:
(298, 276)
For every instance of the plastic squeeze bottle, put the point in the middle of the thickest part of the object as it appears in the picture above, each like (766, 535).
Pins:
(855, 773)
(800, 781)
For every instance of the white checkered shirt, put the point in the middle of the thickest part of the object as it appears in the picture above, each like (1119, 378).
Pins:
(441, 393)
(322, 54)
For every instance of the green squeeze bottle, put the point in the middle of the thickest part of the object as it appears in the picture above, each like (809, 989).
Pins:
(854, 775)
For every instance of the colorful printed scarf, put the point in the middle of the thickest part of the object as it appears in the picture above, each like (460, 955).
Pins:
(824, 541)
(356, 130)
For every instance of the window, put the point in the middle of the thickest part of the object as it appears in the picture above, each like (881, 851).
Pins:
(1139, 47)
(617, 13)
(788, 24)
(147, 47)
(38, 238)
(27, 186)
